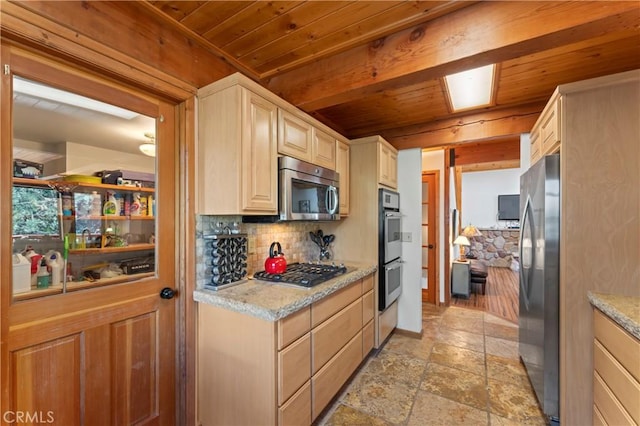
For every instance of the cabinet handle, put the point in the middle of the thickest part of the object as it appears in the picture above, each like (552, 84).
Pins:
(167, 293)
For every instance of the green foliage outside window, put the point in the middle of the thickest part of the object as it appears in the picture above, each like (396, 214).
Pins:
(35, 211)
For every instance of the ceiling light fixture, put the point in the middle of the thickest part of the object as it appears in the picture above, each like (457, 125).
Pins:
(149, 148)
(472, 88)
(42, 91)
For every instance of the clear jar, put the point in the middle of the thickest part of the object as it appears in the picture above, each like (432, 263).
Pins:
(234, 228)
(218, 228)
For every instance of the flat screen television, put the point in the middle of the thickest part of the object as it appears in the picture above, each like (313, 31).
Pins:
(509, 207)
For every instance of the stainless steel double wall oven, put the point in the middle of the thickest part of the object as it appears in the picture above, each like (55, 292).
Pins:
(389, 248)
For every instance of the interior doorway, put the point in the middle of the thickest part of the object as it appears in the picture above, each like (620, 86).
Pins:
(430, 180)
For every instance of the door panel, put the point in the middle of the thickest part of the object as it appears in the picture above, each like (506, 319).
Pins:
(46, 364)
(103, 355)
(134, 369)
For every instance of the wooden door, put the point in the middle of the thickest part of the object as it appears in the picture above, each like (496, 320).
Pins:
(429, 236)
(102, 355)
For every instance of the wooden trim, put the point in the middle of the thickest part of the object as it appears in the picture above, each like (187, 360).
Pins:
(447, 221)
(412, 334)
(6, 156)
(186, 309)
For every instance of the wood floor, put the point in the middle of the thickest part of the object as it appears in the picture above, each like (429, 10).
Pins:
(500, 298)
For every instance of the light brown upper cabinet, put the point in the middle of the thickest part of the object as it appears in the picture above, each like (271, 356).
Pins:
(237, 158)
(342, 167)
(298, 137)
(387, 164)
(294, 136)
(241, 131)
(545, 135)
(323, 149)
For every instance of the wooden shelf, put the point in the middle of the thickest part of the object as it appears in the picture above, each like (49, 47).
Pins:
(79, 285)
(50, 183)
(105, 250)
(110, 217)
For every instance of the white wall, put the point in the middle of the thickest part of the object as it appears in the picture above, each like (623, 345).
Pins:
(480, 190)
(410, 189)
(434, 160)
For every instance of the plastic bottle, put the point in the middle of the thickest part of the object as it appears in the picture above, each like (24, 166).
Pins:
(54, 262)
(110, 206)
(96, 204)
(150, 205)
(67, 204)
(120, 203)
(42, 278)
(135, 205)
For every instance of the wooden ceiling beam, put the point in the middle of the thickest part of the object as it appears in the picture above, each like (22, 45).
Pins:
(507, 149)
(451, 43)
(483, 126)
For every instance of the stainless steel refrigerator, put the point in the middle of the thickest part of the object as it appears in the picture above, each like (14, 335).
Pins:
(539, 279)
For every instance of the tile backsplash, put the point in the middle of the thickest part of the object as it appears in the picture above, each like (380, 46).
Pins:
(292, 236)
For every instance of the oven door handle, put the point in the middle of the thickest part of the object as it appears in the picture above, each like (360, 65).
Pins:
(394, 265)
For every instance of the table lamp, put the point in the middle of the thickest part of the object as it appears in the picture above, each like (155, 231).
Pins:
(462, 241)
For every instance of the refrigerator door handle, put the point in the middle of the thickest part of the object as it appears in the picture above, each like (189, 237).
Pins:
(525, 275)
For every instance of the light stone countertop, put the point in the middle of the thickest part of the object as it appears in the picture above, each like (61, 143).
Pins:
(271, 301)
(624, 310)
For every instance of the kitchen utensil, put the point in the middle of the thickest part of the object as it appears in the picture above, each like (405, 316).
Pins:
(275, 263)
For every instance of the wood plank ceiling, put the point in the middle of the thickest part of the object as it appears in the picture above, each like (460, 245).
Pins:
(376, 67)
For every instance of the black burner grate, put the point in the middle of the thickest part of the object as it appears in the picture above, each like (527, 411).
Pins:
(303, 274)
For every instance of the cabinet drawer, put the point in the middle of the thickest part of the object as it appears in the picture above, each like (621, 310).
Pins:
(622, 384)
(332, 335)
(367, 283)
(323, 309)
(293, 367)
(297, 411)
(293, 326)
(368, 307)
(610, 408)
(328, 381)
(367, 339)
(623, 346)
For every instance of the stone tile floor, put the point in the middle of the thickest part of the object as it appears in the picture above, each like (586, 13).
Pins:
(464, 371)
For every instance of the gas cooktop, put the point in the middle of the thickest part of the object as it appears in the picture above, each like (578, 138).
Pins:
(303, 274)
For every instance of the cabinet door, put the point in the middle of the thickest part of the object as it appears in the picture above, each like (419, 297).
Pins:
(388, 165)
(535, 149)
(259, 158)
(383, 167)
(294, 136)
(323, 150)
(342, 167)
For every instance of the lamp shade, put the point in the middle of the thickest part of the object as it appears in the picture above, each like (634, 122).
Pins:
(471, 231)
(462, 241)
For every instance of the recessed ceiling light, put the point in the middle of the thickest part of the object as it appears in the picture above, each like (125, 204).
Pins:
(472, 88)
(42, 91)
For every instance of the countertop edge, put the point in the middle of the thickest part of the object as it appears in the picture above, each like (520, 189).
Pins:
(609, 308)
(217, 298)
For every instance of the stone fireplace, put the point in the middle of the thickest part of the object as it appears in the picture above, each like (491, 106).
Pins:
(496, 247)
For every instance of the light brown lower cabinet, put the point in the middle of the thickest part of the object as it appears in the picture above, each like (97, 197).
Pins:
(297, 410)
(252, 371)
(616, 375)
(328, 381)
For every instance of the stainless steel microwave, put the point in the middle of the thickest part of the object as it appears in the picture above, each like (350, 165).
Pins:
(307, 191)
